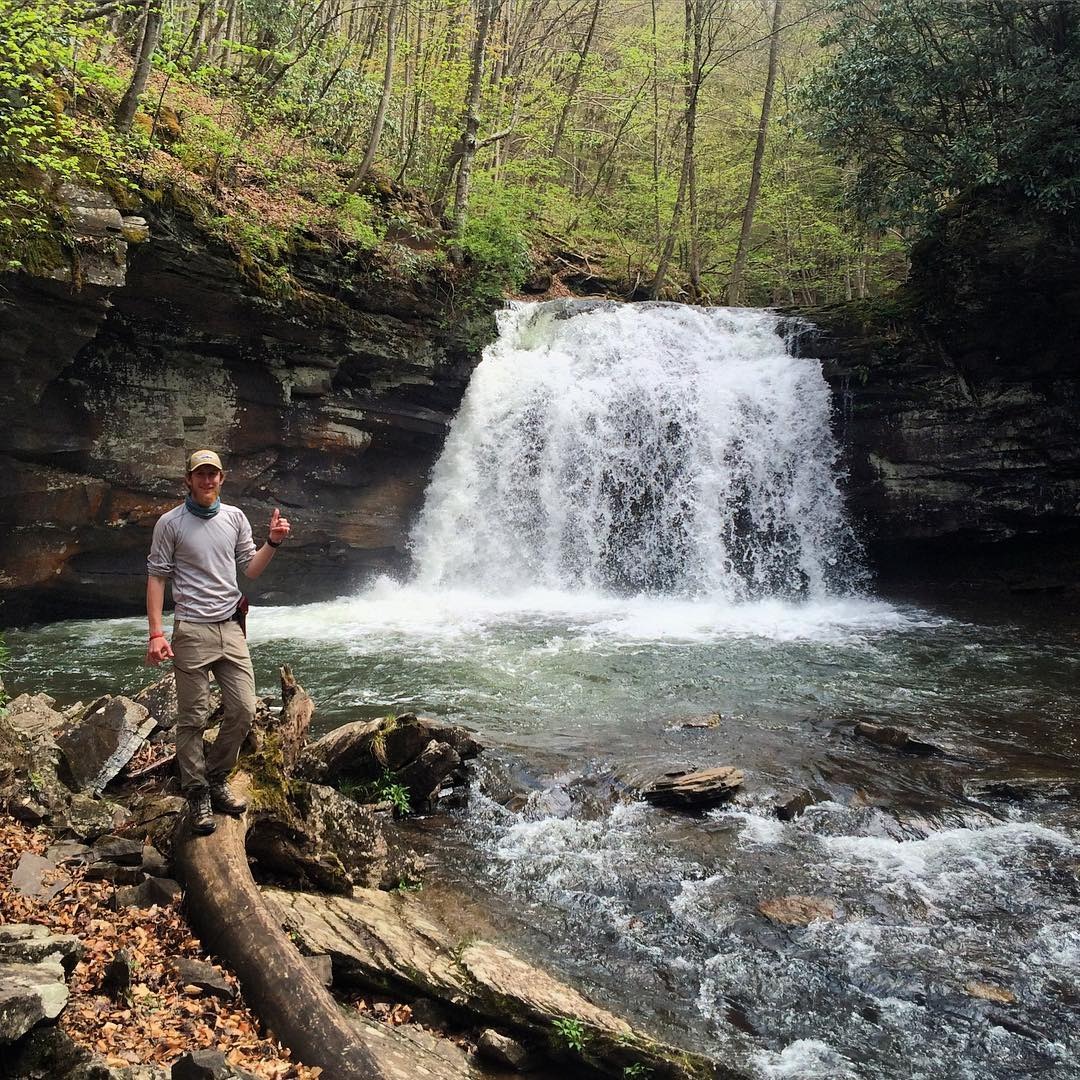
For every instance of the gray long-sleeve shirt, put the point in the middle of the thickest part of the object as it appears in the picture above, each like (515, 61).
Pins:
(201, 556)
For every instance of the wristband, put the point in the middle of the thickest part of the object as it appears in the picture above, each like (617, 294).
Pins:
(274, 543)
(160, 633)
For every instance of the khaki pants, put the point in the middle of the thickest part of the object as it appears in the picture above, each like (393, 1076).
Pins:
(198, 649)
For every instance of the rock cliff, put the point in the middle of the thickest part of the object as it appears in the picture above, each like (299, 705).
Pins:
(330, 402)
(958, 404)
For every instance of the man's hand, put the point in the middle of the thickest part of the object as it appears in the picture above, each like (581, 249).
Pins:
(279, 526)
(158, 649)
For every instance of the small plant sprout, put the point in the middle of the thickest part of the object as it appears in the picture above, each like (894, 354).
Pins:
(572, 1032)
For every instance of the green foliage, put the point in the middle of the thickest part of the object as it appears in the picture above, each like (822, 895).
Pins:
(494, 238)
(924, 99)
(384, 789)
(637, 1071)
(571, 1031)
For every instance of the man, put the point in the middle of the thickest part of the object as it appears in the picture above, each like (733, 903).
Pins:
(199, 545)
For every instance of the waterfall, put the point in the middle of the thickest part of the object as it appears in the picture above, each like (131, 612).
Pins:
(653, 448)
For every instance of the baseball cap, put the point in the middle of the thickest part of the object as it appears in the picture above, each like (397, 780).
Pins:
(203, 457)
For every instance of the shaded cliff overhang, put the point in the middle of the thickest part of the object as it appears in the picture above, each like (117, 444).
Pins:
(329, 399)
(958, 400)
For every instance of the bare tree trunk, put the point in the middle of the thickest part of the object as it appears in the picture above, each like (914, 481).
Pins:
(735, 285)
(471, 119)
(384, 100)
(692, 52)
(125, 111)
(575, 80)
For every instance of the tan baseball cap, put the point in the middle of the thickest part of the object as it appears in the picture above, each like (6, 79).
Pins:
(203, 457)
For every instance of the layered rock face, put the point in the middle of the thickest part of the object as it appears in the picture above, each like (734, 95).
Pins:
(958, 405)
(330, 403)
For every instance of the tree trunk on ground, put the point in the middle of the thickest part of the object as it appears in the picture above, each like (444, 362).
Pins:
(735, 285)
(125, 112)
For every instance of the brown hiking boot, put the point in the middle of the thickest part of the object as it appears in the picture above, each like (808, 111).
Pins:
(224, 801)
(200, 814)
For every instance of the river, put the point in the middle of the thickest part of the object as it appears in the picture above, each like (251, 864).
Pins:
(637, 521)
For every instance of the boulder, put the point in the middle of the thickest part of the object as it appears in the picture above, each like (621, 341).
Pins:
(153, 892)
(29, 994)
(207, 1065)
(88, 818)
(687, 789)
(159, 700)
(793, 804)
(38, 877)
(365, 750)
(345, 828)
(895, 738)
(387, 941)
(29, 943)
(798, 910)
(425, 776)
(30, 786)
(97, 747)
(204, 976)
(503, 1051)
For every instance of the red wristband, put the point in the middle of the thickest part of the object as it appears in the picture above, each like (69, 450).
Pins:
(160, 633)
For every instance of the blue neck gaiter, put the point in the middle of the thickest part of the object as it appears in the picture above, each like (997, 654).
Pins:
(202, 511)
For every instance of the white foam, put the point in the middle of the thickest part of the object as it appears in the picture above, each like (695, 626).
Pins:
(804, 1059)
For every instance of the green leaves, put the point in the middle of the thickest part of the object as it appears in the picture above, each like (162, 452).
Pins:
(926, 98)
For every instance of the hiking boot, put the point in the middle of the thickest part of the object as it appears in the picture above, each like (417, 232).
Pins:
(200, 814)
(224, 801)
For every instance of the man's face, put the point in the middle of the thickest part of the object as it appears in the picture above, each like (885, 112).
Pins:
(205, 484)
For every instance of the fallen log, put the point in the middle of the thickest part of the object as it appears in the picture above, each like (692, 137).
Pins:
(226, 909)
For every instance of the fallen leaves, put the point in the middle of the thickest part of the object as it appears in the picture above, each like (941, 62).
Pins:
(160, 1018)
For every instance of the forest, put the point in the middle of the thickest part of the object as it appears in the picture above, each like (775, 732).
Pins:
(727, 151)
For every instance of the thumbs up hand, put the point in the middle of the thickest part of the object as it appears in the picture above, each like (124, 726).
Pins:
(279, 526)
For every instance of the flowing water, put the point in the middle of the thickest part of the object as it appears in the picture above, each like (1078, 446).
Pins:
(636, 521)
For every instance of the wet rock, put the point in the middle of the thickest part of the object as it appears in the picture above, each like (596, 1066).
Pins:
(710, 720)
(798, 910)
(205, 976)
(793, 804)
(345, 828)
(38, 877)
(25, 943)
(364, 750)
(503, 1051)
(387, 941)
(1021, 788)
(426, 774)
(895, 738)
(690, 789)
(207, 1065)
(101, 744)
(990, 992)
(29, 994)
(116, 980)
